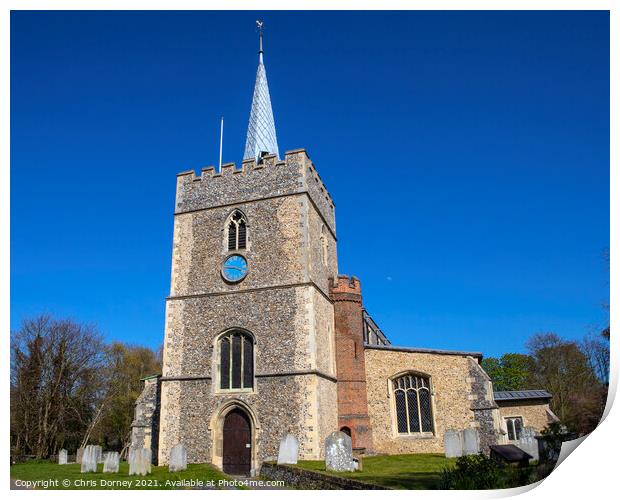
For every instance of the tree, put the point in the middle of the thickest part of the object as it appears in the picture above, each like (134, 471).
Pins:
(126, 366)
(511, 372)
(596, 349)
(69, 388)
(563, 369)
(53, 383)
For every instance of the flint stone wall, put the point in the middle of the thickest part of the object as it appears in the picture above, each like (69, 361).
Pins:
(280, 404)
(486, 411)
(534, 413)
(283, 302)
(294, 175)
(283, 247)
(294, 477)
(456, 392)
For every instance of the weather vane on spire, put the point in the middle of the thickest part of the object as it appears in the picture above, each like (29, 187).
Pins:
(259, 27)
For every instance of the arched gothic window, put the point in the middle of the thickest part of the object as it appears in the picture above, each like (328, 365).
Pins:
(237, 231)
(236, 351)
(412, 396)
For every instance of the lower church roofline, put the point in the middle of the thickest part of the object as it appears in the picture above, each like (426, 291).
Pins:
(424, 350)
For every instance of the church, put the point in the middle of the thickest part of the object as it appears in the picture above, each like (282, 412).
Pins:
(263, 337)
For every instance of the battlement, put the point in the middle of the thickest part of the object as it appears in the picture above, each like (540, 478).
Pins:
(231, 168)
(268, 178)
(345, 284)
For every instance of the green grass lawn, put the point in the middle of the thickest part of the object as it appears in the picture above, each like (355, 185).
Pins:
(412, 472)
(159, 479)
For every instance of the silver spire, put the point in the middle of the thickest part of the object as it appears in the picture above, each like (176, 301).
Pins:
(261, 136)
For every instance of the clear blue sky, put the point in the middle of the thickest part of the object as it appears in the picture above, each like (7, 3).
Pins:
(484, 135)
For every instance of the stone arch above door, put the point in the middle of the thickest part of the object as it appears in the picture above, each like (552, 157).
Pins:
(216, 429)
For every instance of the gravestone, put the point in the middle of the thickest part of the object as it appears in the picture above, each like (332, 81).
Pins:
(453, 443)
(339, 453)
(99, 454)
(111, 461)
(140, 462)
(289, 449)
(89, 459)
(62, 457)
(471, 442)
(178, 458)
(78, 455)
(528, 442)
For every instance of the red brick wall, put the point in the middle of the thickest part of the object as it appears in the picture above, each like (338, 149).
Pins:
(350, 365)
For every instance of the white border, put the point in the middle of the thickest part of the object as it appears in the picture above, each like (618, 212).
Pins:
(588, 473)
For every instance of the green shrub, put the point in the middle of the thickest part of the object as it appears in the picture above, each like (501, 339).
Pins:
(472, 472)
(479, 472)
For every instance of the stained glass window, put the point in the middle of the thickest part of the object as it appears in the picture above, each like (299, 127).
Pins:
(414, 412)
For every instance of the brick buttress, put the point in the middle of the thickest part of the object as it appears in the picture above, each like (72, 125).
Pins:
(353, 416)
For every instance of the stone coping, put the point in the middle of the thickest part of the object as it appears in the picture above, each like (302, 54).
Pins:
(423, 350)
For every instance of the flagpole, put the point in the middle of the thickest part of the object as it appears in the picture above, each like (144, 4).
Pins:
(221, 138)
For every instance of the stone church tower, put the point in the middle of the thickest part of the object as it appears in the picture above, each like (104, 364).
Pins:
(249, 350)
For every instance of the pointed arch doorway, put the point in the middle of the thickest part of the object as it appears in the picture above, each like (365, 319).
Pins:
(237, 443)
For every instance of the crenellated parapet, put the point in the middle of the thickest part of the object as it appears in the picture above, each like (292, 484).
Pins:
(253, 181)
(345, 288)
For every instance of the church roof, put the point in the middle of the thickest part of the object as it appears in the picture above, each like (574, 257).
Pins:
(517, 395)
(261, 137)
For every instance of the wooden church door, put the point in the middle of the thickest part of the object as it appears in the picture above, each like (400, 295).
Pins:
(237, 449)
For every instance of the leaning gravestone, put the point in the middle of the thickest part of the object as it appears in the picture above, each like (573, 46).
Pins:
(178, 458)
(453, 443)
(528, 442)
(289, 448)
(62, 457)
(140, 462)
(89, 459)
(111, 461)
(471, 442)
(339, 453)
(78, 455)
